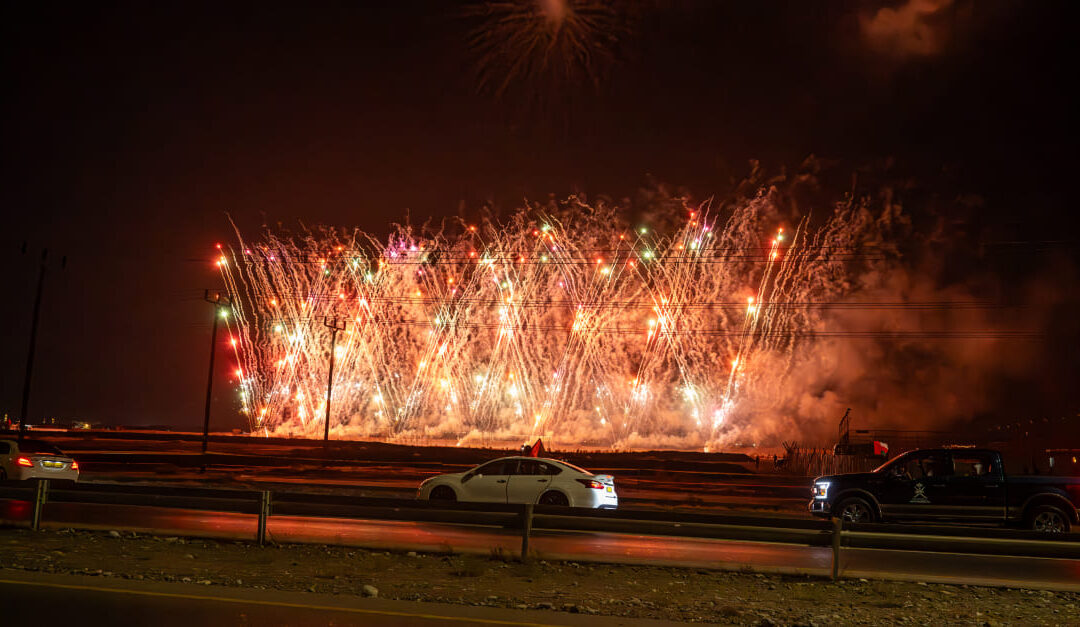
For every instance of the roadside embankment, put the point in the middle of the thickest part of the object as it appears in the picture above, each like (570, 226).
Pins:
(744, 598)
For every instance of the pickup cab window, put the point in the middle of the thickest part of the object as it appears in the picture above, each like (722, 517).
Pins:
(924, 466)
(975, 465)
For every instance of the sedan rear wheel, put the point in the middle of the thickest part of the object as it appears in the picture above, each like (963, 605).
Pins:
(442, 493)
(554, 498)
(1047, 519)
(854, 510)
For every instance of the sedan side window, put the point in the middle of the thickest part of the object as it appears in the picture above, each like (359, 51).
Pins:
(536, 467)
(499, 468)
(490, 468)
(528, 467)
(548, 469)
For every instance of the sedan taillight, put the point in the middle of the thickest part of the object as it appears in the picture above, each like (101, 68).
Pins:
(24, 461)
(590, 483)
(74, 465)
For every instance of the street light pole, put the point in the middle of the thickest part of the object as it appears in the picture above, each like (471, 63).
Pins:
(33, 341)
(335, 324)
(220, 303)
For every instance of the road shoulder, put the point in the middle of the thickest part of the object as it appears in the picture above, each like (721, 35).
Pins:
(13, 585)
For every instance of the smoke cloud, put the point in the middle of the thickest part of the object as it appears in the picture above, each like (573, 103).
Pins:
(917, 28)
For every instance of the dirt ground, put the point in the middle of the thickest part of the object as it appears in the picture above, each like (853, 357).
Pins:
(742, 598)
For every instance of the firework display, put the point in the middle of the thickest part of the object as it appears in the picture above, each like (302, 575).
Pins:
(545, 44)
(571, 324)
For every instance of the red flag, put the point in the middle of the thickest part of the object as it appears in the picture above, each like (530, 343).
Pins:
(537, 449)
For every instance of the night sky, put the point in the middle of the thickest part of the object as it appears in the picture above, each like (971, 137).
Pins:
(131, 131)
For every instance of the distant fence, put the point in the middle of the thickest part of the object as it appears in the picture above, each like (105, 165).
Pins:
(530, 518)
(814, 462)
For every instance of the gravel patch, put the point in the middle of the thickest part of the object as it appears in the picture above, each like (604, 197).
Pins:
(691, 595)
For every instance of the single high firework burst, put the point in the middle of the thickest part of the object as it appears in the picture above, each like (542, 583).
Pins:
(545, 48)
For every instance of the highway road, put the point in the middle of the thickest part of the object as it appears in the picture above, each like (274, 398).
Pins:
(721, 497)
(1059, 574)
(30, 598)
(666, 479)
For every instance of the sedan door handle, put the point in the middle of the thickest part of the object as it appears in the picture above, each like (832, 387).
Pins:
(541, 480)
(501, 481)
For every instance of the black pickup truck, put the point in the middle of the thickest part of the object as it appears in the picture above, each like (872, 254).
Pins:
(949, 485)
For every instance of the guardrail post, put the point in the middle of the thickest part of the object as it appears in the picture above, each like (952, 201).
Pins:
(838, 527)
(39, 503)
(264, 513)
(526, 529)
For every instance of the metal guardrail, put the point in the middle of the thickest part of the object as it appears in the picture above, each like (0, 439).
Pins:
(529, 518)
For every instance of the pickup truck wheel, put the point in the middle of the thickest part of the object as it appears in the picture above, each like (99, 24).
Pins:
(854, 510)
(1048, 519)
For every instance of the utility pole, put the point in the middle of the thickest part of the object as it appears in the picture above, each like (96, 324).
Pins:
(33, 339)
(335, 324)
(221, 302)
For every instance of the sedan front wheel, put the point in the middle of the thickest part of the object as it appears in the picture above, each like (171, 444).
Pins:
(442, 493)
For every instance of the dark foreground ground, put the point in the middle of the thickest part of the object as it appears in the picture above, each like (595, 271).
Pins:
(90, 601)
(742, 598)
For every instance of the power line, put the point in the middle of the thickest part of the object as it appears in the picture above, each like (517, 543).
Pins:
(607, 304)
(661, 332)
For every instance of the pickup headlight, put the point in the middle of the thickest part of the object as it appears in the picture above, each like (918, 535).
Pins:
(820, 489)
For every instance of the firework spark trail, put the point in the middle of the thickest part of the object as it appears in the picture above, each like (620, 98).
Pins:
(569, 325)
(551, 45)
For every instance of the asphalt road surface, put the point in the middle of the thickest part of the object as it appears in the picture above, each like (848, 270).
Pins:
(713, 495)
(31, 598)
(693, 480)
(1060, 574)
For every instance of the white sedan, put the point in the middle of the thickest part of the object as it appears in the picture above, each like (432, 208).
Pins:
(33, 459)
(524, 480)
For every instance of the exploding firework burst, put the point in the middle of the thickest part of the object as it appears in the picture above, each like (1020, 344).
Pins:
(545, 46)
(569, 324)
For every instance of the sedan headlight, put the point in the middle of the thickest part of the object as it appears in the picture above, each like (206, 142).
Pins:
(820, 489)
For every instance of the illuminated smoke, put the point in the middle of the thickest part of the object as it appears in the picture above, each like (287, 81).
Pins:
(917, 28)
(569, 323)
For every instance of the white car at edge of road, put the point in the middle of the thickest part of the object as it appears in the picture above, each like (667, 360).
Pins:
(538, 480)
(34, 459)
